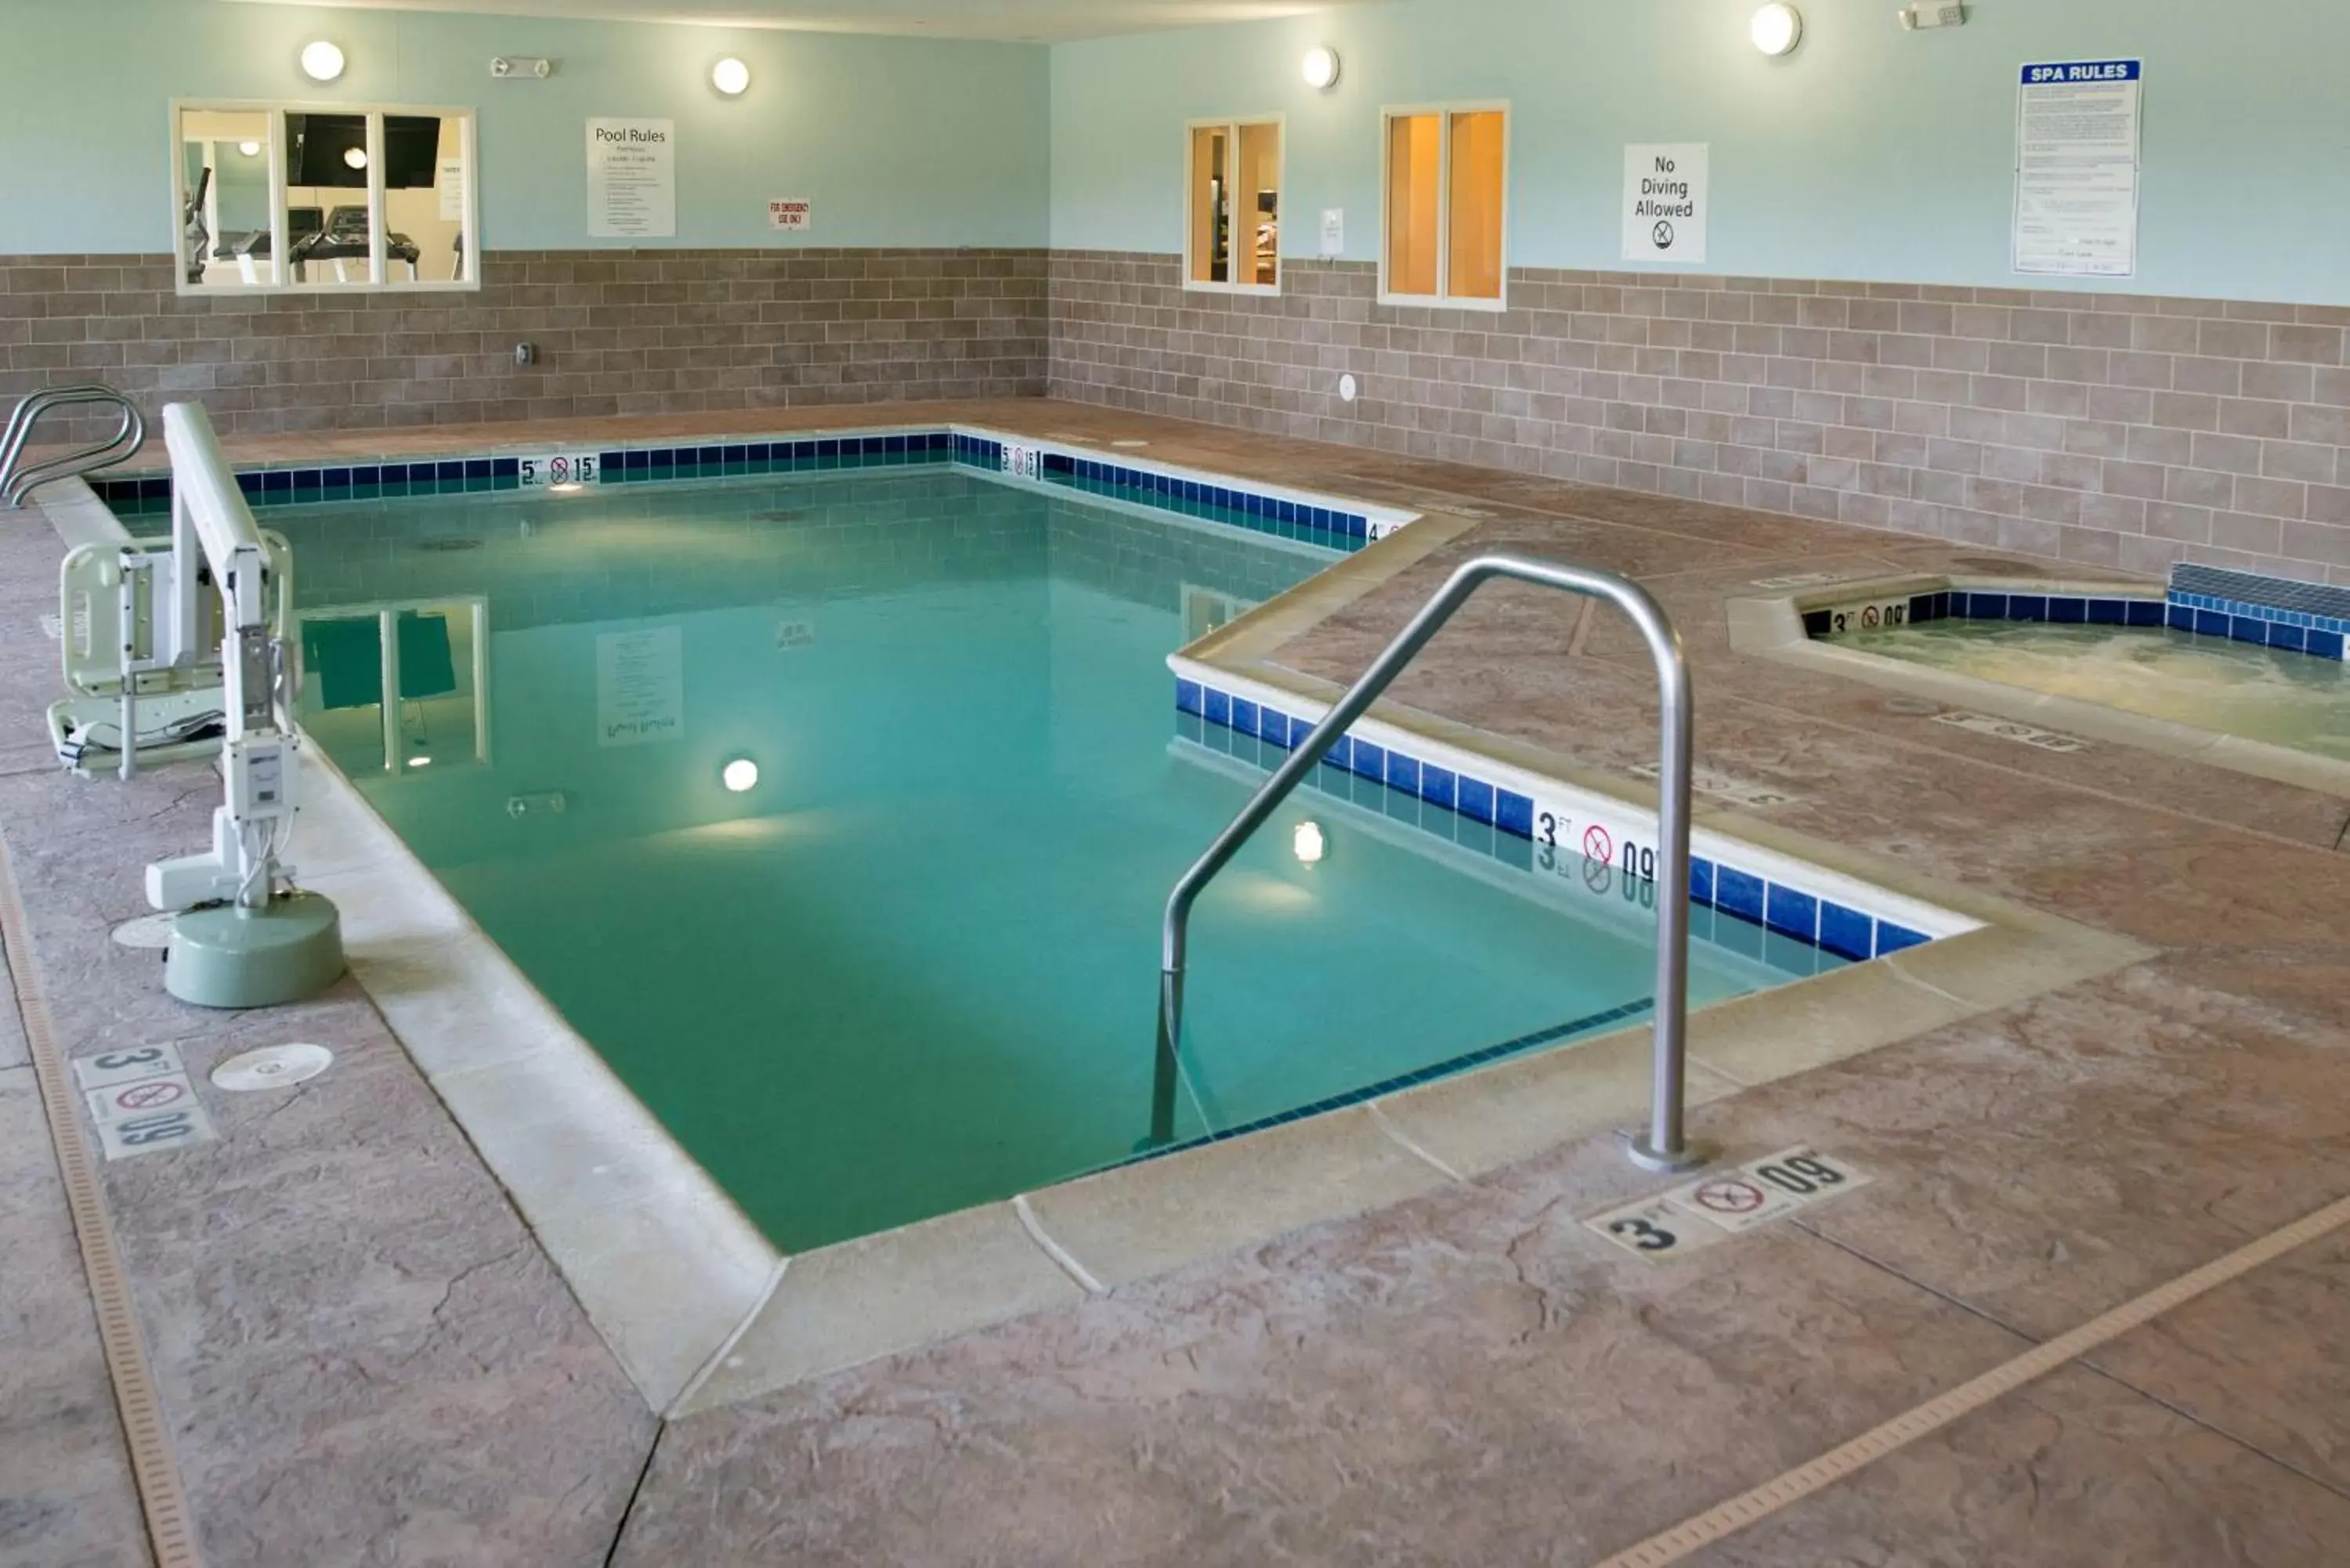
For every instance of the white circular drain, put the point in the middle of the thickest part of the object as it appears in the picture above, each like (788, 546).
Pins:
(272, 1067)
(149, 931)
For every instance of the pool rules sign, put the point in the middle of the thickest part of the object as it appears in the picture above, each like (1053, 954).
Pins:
(1665, 202)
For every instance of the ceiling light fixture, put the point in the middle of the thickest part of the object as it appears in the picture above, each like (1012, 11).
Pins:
(1322, 67)
(731, 77)
(1777, 29)
(321, 61)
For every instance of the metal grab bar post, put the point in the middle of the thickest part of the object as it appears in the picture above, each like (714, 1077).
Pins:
(16, 484)
(1663, 1146)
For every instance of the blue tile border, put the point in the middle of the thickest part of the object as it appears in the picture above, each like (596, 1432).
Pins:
(2282, 625)
(1331, 527)
(1506, 818)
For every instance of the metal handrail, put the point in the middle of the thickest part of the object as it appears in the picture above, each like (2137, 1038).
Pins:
(1662, 1146)
(16, 484)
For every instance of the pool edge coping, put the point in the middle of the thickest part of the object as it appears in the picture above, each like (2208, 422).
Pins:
(1772, 627)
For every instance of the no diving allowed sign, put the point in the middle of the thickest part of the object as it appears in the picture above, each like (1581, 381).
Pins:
(1666, 201)
(1716, 1207)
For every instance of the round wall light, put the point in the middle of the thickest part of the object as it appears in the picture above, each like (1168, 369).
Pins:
(740, 776)
(355, 157)
(250, 149)
(321, 61)
(1777, 29)
(731, 77)
(1322, 68)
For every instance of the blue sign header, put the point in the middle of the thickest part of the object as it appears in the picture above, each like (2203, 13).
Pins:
(2068, 73)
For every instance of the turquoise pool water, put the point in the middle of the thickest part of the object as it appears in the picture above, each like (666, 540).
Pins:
(911, 966)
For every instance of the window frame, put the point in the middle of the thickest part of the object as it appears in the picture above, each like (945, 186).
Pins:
(1236, 124)
(380, 279)
(1441, 299)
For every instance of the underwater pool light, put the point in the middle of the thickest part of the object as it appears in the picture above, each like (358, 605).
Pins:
(355, 157)
(740, 776)
(1309, 843)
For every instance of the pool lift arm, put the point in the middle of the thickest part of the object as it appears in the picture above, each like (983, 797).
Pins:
(241, 938)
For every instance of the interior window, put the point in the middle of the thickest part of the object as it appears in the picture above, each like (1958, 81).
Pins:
(1447, 191)
(321, 199)
(1233, 236)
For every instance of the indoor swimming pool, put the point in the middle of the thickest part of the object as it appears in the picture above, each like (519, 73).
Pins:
(2260, 693)
(836, 812)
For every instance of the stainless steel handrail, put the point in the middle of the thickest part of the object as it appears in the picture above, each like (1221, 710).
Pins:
(16, 484)
(1662, 1146)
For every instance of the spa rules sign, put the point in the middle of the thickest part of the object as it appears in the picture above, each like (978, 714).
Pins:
(632, 179)
(1665, 202)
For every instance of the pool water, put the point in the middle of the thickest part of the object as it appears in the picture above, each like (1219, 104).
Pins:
(2269, 694)
(837, 813)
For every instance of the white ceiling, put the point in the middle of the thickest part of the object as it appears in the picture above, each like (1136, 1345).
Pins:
(1028, 21)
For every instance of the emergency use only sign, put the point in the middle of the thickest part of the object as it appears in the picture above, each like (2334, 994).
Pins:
(1665, 202)
(2077, 167)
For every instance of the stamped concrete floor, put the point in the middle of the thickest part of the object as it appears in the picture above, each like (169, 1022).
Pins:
(366, 1360)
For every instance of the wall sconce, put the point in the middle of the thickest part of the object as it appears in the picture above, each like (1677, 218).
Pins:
(1322, 68)
(250, 149)
(1777, 29)
(731, 77)
(321, 61)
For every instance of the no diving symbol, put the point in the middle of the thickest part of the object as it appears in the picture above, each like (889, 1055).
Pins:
(1597, 846)
(559, 469)
(1663, 235)
(1869, 616)
(1729, 1197)
(149, 1097)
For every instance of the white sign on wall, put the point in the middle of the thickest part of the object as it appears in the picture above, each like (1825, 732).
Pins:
(632, 179)
(791, 212)
(1334, 230)
(640, 687)
(2077, 169)
(1666, 201)
(452, 181)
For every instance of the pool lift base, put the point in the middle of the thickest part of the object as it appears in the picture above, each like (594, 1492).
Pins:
(1646, 1154)
(236, 955)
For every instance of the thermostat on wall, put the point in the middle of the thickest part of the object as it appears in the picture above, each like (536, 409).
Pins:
(505, 66)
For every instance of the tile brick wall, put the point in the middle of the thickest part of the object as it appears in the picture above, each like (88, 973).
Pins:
(2111, 430)
(619, 332)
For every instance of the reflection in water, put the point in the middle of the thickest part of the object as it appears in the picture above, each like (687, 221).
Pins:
(2233, 688)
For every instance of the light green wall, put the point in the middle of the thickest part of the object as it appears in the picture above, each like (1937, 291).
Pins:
(899, 142)
(1870, 153)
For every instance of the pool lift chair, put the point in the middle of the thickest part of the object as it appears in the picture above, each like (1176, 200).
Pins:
(244, 937)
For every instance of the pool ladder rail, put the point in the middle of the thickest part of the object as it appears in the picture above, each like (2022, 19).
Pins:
(1663, 1145)
(19, 479)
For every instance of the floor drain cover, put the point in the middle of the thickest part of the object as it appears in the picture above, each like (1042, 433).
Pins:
(272, 1067)
(145, 931)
